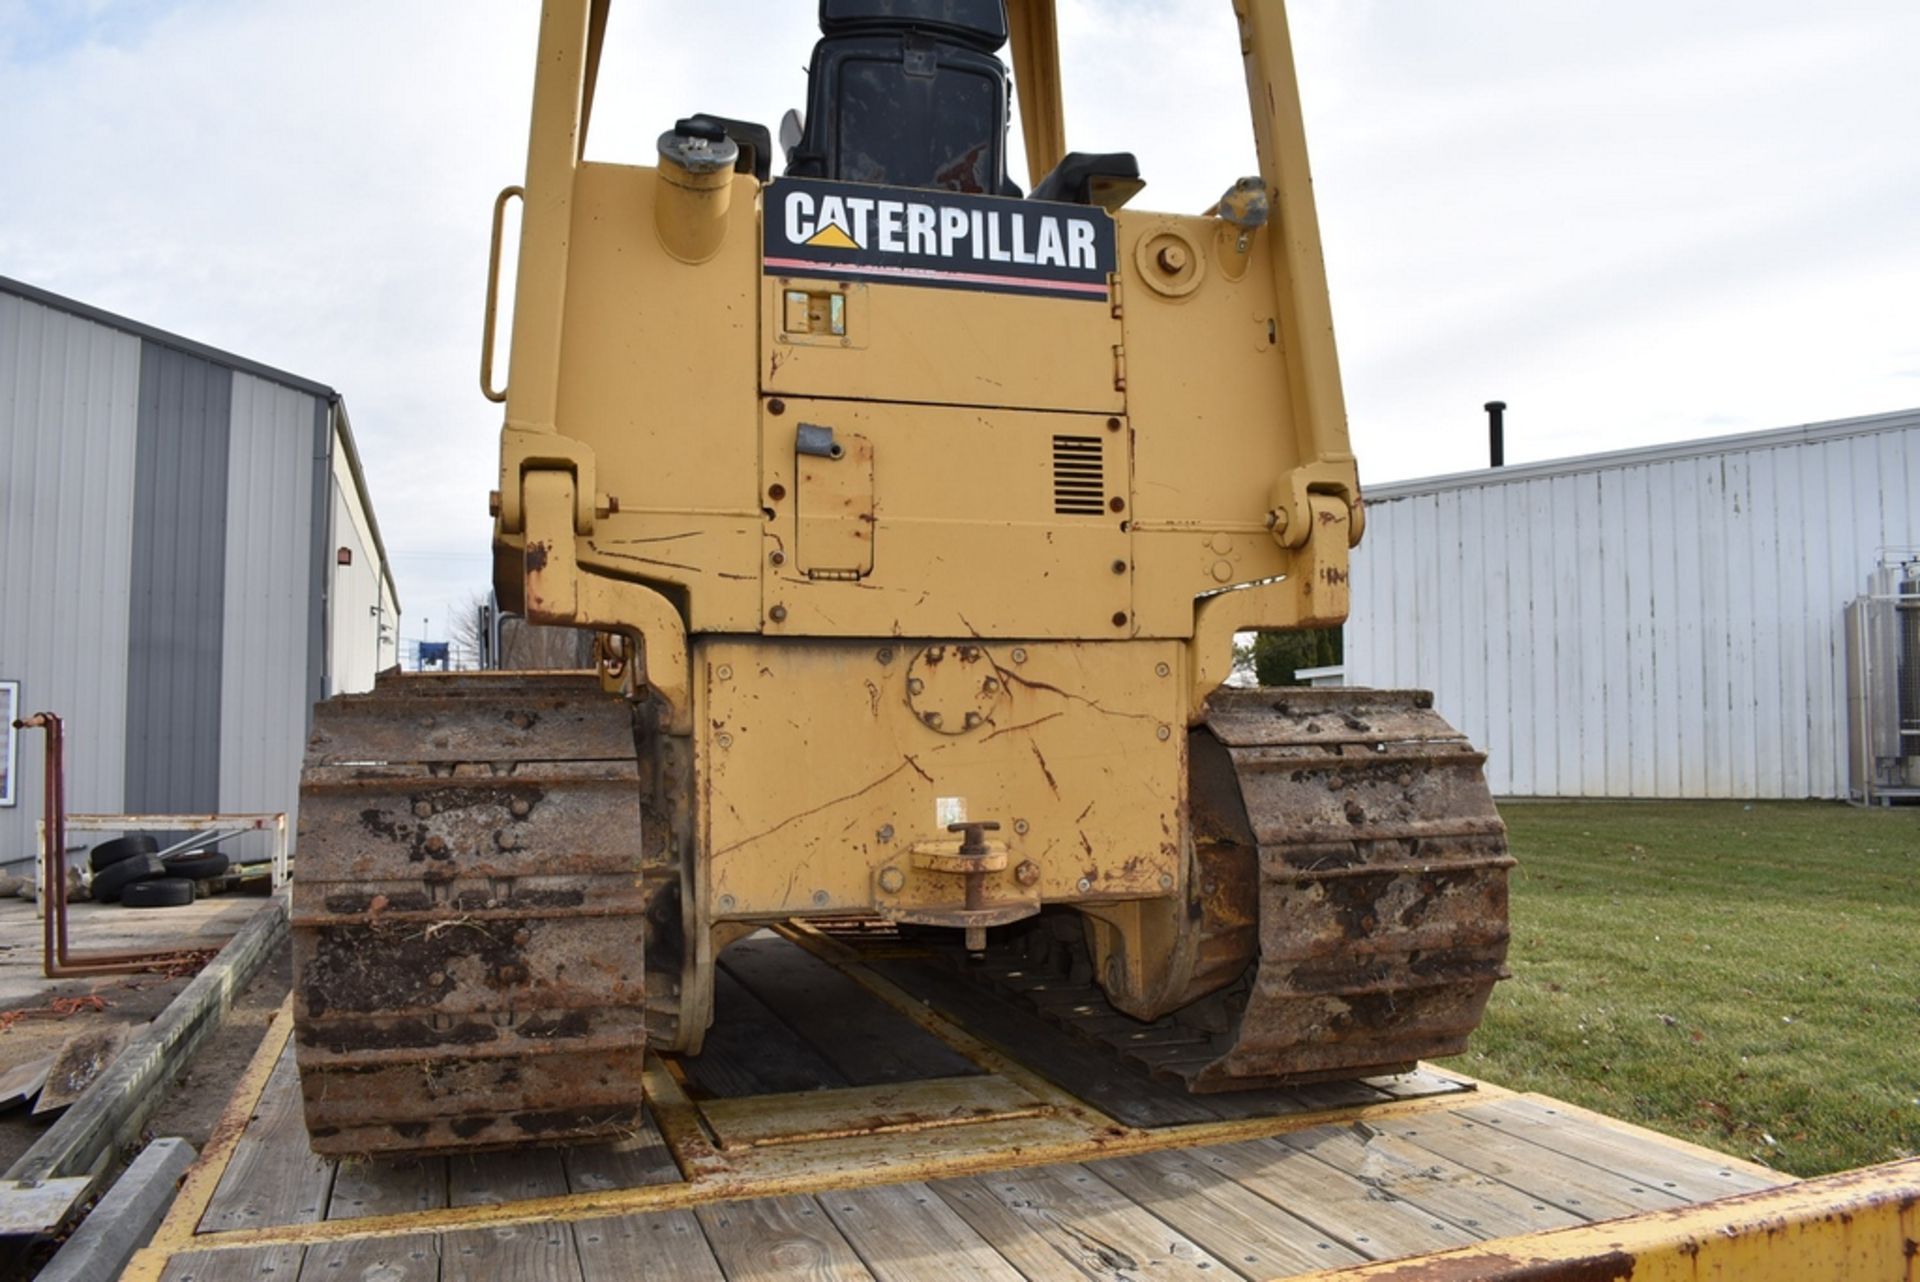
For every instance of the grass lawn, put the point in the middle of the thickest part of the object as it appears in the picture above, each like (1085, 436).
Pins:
(1746, 976)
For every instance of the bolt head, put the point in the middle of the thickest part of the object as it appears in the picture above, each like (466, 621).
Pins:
(1161, 670)
(885, 833)
(1020, 826)
(724, 739)
(915, 685)
(1166, 881)
(884, 654)
(778, 614)
(819, 899)
(1173, 258)
(973, 719)
(1027, 873)
(777, 557)
(726, 903)
(1163, 734)
(1083, 885)
(932, 719)
(892, 879)
(1019, 654)
(724, 672)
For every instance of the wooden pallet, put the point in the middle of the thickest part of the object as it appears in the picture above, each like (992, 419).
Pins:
(871, 1117)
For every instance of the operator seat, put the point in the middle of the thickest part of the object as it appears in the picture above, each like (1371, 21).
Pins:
(908, 93)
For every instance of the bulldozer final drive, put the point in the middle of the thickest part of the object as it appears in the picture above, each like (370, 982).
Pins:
(915, 518)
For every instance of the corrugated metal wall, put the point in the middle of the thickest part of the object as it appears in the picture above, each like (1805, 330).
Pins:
(166, 559)
(264, 652)
(68, 393)
(178, 584)
(1662, 623)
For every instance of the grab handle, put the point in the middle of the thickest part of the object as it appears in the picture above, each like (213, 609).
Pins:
(487, 326)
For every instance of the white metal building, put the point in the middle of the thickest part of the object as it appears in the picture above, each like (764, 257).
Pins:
(188, 561)
(1662, 622)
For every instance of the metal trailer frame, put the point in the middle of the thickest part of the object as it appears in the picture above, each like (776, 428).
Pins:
(1857, 1225)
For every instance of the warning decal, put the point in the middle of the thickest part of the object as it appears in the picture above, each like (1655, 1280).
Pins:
(905, 236)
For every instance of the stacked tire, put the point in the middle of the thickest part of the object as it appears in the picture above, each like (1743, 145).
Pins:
(129, 869)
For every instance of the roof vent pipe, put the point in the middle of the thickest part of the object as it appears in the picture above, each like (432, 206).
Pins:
(1496, 433)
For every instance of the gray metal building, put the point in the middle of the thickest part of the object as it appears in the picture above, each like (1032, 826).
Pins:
(188, 561)
(1659, 622)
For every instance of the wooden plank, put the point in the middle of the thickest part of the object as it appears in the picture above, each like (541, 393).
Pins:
(1419, 1084)
(1254, 1237)
(1065, 1222)
(666, 1244)
(867, 1110)
(37, 1208)
(23, 1081)
(274, 1178)
(641, 1158)
(86, 1055)
(751, 1051)
(413, 1257)
(124, 1220)
(387, 1186)
(1696, 1175)
(245, 1264)
(778, 1238)
(1563, 1181)
(482, 1179)
(860, 1035)
(905, 1232)
(1478, 1203)
(522, 1252)
(1364, 1219)
(117, 1108)
(1090, 1072)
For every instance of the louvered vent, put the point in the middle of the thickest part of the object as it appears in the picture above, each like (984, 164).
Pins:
(1079, 476)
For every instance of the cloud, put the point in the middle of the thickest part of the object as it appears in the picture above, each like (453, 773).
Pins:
(1634, 221)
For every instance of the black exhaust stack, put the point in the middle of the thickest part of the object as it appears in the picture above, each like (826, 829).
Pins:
(1497, 433)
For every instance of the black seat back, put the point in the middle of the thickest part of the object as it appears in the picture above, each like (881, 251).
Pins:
(908, 93)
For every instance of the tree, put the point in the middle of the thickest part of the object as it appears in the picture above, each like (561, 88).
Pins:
(522, 645)
(1277, 656)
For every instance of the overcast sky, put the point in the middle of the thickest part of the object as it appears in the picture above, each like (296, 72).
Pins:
(1636, 221)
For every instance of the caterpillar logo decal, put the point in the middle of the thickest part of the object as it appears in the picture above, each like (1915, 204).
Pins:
(845, 231)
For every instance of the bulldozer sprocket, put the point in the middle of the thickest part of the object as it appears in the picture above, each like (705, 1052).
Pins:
(471, 916)
(1362, 831)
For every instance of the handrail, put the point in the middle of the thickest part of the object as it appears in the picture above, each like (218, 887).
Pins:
(489, 325)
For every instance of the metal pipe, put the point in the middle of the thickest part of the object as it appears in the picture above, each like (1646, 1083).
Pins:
(56, 962)
(1496, 433)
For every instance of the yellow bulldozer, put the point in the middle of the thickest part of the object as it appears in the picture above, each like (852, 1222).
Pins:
(915, 516)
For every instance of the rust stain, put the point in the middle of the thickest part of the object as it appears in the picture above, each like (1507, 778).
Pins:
(1051, 783)
(536, 557)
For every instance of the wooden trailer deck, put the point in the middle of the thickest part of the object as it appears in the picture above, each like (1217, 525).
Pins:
(961, 1134)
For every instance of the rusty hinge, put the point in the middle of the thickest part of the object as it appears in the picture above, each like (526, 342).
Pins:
(1120, 367)
(1113, 293)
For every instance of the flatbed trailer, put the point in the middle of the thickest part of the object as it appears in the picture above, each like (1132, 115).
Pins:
(865, 1110)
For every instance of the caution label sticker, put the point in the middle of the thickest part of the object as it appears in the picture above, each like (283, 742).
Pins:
(905, 236)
